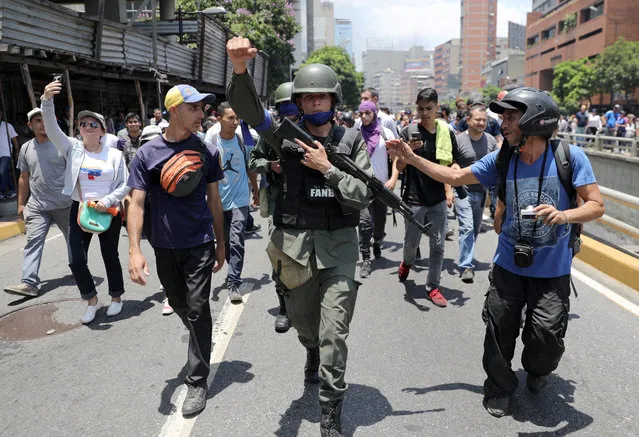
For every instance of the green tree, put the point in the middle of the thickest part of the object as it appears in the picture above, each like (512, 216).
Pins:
(489, 93)
(351, 81)
(269, 24)
(573, 82)
(617, 68)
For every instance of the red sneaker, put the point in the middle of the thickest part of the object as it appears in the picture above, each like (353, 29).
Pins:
(403, 271)
(436, 297)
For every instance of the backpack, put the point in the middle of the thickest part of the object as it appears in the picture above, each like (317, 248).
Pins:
(561, 152)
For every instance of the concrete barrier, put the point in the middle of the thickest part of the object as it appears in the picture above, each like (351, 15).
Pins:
(624, 268)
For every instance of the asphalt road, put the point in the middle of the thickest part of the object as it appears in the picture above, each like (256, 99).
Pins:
(414, 369)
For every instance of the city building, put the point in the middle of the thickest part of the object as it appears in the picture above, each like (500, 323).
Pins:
(387, 84)
(574, 29)
(344, 36)
(478, 40)
(516, 36)
(544, 6)
(379, 56)
(507, 70)
(300, 53)
(323, 29)
(446, 69)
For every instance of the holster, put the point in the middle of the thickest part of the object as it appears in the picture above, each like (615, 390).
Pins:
(290, 272)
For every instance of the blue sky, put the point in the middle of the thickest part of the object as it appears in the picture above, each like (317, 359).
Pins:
(409, 22)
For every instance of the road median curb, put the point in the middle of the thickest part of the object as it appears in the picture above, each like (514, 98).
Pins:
(11, 229)
(624, 268)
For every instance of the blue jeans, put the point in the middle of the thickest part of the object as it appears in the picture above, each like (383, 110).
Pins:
(5, 174)
(234, 225)
(469, 215)
(435, 214)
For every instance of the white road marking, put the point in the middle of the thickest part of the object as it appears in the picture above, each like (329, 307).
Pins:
(48, 239)
(223, 328)
(605, 291)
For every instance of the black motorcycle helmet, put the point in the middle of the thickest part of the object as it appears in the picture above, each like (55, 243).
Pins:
(541, 113)
(347, 118)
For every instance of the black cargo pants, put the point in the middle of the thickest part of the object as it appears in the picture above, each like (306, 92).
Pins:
(544, 329)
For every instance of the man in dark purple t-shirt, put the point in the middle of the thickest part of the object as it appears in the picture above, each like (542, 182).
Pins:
(182, 231)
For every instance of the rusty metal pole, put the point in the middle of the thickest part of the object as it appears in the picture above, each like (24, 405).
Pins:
(67, 81)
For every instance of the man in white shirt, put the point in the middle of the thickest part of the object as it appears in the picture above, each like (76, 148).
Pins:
(371, 94)
(8, 137)
(372, 220)
(157, 119)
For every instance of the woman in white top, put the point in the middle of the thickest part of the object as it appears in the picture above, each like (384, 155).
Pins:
(93, 172)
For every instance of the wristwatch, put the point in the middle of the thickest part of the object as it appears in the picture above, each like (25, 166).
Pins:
(330, 172)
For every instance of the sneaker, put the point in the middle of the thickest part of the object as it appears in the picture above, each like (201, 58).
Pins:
(234, 294)
(2, 197)
(536, 383)
(114, 308)
(12, 195)
(195, 401)
(436, 297)
(468, 276)
(377, 250)
(404, 270)
(89, 313)
(496, 406)
(256, 228)
(365, 269)
(23, 289)
(449, 235)
(167, 309)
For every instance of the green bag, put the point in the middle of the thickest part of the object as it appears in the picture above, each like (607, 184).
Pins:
(92, 221)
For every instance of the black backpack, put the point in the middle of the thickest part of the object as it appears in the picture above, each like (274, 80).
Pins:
(561, 152)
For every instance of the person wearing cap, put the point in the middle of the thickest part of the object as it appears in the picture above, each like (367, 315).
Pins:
(314, 245)
(264, 161)
(534, 255)
(41, 182)
(183, 229)
(97, 173)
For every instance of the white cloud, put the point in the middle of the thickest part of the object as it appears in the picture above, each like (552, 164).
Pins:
(506, 13)
(409, 22)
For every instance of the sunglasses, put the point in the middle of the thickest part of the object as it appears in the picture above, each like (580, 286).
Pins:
(91, 124)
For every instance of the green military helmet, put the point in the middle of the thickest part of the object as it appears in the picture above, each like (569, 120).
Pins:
(317, 78)
(283, 92)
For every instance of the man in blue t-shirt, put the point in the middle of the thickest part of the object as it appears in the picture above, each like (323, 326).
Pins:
(533, 259)
(611, 118)
(235, 195)
(182, 231)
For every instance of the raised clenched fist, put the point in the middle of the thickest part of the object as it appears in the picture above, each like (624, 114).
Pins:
(240, 51)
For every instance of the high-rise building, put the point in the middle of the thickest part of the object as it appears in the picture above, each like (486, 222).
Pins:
(323, 30)
(478, 40)
(387, 83)
(544, 6)
(516, 36)
(300, 52)
(446, 70)
(573, 30)
(344, 36)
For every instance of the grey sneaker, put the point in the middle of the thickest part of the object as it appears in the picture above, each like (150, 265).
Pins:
(195, 401)
(22, 290)
(449, 234)
(496, 406)
(468, 276)
(234, 294)
(365, 269)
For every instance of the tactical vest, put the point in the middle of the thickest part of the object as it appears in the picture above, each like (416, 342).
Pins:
(305, 200)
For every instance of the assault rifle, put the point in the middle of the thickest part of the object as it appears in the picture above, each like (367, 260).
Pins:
(290, 131)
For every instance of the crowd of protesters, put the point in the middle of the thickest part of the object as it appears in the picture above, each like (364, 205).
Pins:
(197, 223)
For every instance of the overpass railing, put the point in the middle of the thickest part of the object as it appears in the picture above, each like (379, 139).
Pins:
(602, 142)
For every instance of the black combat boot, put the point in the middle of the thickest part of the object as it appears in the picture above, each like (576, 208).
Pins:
(331, 420)
(311, 369)
(282, 322)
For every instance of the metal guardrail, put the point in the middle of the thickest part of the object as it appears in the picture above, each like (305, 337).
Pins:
(602, 142)
(626, 200)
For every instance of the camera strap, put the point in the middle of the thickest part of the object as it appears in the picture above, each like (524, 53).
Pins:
(541, 181)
